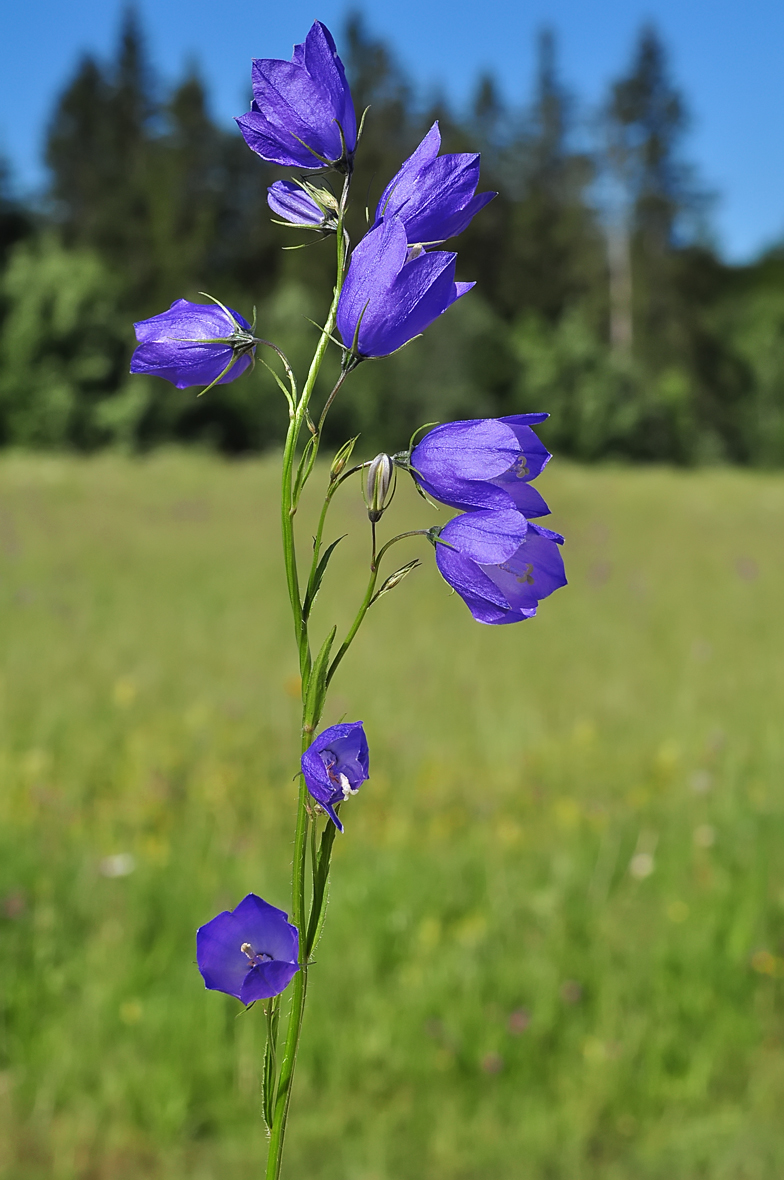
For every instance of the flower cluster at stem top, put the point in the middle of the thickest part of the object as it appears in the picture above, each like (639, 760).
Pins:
(394, 284)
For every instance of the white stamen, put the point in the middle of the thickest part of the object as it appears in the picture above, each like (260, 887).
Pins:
(247, 949)
(346, 787)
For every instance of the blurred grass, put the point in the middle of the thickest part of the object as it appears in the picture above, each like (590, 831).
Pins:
(555, 948)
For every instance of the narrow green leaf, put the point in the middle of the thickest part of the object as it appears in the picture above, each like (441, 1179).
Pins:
(269, 1072)
(320, 889)
(321, 569)
(305, 467)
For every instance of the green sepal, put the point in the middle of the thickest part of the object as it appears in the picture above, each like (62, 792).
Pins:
(327, 163)
(219, 378)
(324, 332)
(420, 430)
(279, 383)
(321, 569)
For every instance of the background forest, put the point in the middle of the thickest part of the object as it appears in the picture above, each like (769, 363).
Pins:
(600, 294)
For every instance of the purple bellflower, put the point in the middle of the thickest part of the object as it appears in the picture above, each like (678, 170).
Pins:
(250, 952)
(500, 564)
(434, 196)
(302, 115)
(391, 294)
(299, 203)
(483, 463)
(194, 344)
(335, 765)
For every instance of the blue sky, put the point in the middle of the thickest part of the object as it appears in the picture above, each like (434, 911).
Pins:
(726, 56)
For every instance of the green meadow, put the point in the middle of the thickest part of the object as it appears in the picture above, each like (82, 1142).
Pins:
(555, 943)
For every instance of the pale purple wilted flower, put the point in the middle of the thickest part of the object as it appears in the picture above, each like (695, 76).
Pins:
(483, 463)
(302, 115)
(194, 344)
(499, 563)
(434, 195)
(335, 765)
(250, 952)
(391, 294)
(299, 203)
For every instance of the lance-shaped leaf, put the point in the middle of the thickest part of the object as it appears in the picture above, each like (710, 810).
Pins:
(318, 576)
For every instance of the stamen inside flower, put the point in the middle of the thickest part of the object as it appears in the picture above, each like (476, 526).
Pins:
(346, 787)
(340, 780)
(524, 576)
(255, 959)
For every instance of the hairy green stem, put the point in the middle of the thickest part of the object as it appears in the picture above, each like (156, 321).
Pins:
(296, 420)
(310, 719)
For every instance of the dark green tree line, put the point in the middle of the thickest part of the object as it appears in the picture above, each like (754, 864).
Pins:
(598, 297)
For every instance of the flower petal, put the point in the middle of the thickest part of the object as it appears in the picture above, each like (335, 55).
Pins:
(375, 263)
(267, 928)
(298, 104)
(420, 293)
(221, 962)
(477, 448)
(403, 184)
(189, 321)
(482, 597)
(291, 202)
(532, 573)
(486, 537)
(267, 979)
(434, 195)
(323, 64)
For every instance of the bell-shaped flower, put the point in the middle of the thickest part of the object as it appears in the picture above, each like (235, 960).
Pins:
(335, 765)
(483, 463)
(250, 952)
(391, 294)
(500, 564)
(194, 344)
(302, 115)
(434, 196)
(301, 204)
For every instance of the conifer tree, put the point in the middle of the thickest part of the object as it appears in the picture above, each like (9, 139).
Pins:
(15, 221)
(97, 149)
(646, 119)
(552, 251)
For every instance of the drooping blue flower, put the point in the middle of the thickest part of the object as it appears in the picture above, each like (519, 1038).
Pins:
(250, 952)
(295, 203)
(391, 294)
(500, 564)
(302, 115)
(193, 343)
(483, 463)
(434, 196)
(335, 765)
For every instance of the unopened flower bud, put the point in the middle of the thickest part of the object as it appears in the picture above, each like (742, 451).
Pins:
(395, 579)
(340, 462)
(380, 485)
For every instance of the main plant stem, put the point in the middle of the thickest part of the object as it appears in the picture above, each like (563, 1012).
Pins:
(310, 719)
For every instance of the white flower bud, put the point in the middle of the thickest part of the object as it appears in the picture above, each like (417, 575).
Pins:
(380, 485)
